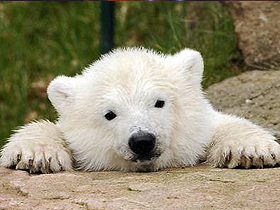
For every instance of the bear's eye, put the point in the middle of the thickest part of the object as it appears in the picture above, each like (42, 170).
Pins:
(159, 103)
(110, 115)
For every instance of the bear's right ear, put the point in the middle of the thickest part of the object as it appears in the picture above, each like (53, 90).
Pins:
(190, 63)
(61, 91)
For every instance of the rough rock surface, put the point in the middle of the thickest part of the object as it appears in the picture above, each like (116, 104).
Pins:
(198, 187)
(254, 95)
(257, 25)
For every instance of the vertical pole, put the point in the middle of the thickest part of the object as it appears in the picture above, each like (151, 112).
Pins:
(107, 26)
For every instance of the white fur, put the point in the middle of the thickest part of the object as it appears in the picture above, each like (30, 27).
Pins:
(129, 82)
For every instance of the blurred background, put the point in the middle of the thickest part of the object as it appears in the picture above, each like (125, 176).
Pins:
(40, 40)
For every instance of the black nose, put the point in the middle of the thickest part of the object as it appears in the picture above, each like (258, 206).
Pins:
(142, 143)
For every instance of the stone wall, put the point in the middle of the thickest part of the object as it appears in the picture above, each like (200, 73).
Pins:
(257, 25)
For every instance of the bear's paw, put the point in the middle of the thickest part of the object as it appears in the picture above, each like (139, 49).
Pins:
(35, 158)
(246, 154)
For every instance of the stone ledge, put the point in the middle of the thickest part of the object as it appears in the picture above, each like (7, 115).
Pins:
(199, 187)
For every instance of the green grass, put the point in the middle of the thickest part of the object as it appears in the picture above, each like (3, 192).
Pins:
(40, 40)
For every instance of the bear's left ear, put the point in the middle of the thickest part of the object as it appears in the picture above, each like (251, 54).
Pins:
(61, 91)
(191, 63)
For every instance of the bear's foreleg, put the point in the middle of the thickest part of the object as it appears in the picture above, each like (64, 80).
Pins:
(37, 147)
(238, 142)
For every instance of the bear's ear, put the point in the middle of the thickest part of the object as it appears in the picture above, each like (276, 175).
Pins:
(191, 63)
(60, 92)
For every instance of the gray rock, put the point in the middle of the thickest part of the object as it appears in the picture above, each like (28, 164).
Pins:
(257, 25)
(254, 95)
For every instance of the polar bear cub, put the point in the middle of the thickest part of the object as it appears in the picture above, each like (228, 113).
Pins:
(137, 110)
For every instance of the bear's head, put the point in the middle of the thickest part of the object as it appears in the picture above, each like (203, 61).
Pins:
(132, 110)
